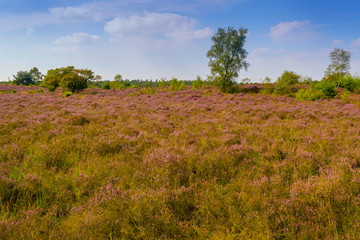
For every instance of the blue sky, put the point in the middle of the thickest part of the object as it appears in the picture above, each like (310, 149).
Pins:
(151, 39)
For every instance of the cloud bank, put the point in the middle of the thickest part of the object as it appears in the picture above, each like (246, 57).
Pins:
(156, 25)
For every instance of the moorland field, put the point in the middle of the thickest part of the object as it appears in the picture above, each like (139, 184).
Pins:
(191, 164)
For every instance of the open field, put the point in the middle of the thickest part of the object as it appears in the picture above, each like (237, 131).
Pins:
(192, 164)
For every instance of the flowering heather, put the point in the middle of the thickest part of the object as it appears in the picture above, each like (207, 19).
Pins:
(192, 164)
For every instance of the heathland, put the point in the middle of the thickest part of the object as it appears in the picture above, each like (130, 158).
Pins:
(190, 164)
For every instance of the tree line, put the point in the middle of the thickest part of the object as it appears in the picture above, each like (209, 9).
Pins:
(227, 56)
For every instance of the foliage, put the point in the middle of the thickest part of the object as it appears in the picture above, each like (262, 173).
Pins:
(284, 82)
(349, 82)
(118, 77)
(23, 78)
(67, 94)
(317, 90)
(175, 85)
(227, 56)
(328, 88)
(116, 84)
(195, 164)
(70, 78)
(268, 87)
(106, 85)
(306, 80)
(310, 94)
(36, 75)
(198, 83)
(340, 63)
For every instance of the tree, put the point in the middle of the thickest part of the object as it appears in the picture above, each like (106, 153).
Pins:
(340, 63)
(36, 75)
(227, 56)
(73, 79)
(118, 77)
(23, 77)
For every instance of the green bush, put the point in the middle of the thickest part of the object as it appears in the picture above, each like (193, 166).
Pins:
(349, 82)
(116, 84)
(284, 82)
(67, 94)
(328, 88)
(319, 90)
(106, 85)
(268, 88)
(309, 94)
(174, 84)
(40, 90)
(13, 91)
(198, 83)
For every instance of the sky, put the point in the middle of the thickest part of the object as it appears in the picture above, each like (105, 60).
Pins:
(153, 39)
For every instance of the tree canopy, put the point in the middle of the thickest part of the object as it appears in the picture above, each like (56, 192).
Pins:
(340, 63)
(23, 78)
(36, 75)
(227, 56)
(68, 77)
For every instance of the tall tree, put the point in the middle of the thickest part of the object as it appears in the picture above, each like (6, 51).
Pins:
(340, 63)
(36, 75)
(118, 78)
(227, 56)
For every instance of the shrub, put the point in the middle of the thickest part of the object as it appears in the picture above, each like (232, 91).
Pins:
(197, 84)
(40, 90)
(163, 83)
(284, 82)
(147, 91)
(106, 85)
(174, 84)
(328, 88)
(13, 91)
(67, 94)
(182, 85)
(319, 90)
(249, 88)
(117, 84)
(268, 88)
(309, 94)
(349, 82)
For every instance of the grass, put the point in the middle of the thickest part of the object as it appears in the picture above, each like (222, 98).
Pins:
(192, 164)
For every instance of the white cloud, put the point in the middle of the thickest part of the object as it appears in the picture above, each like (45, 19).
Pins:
(83, 13)
(356, 42)
(30, 31)
(337, 42)
(157, 25)
(291, 30)
(77, 38)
